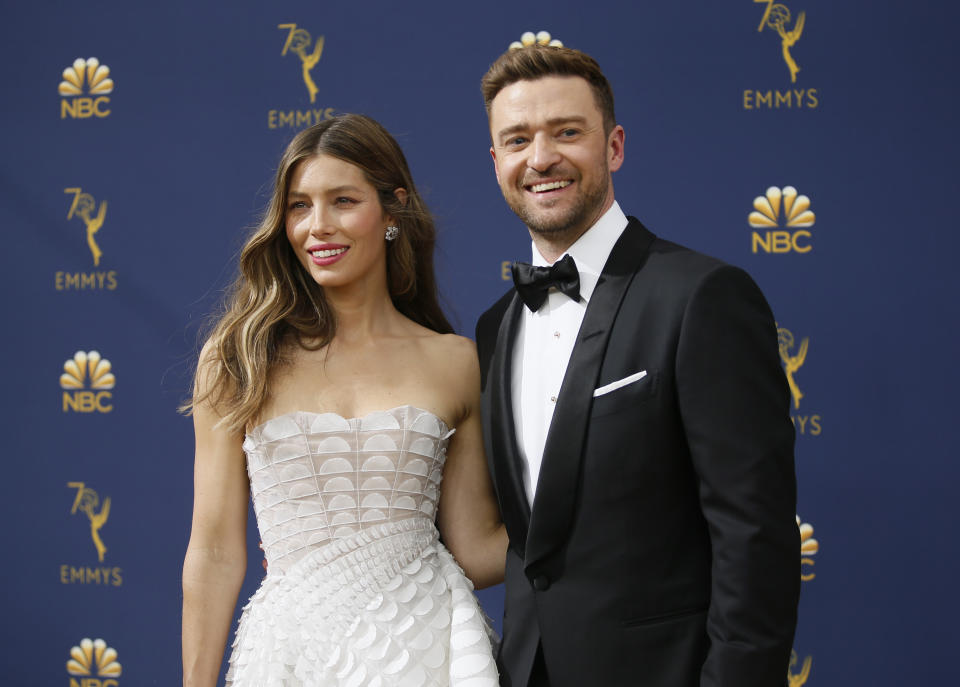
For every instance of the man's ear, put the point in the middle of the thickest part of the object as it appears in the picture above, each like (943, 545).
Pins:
(615, 148)
(496, 168)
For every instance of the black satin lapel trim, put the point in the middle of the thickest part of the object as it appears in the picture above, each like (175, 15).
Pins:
(555, 498)
(501, 433)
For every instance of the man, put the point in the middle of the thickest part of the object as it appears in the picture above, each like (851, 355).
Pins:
(638, 426)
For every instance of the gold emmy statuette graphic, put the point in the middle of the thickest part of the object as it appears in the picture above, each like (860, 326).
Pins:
(777, 17)
(798, 679)
(83, 205)
(87, 501)
(298, 40)
(808, 547)
(94, 656)
(792, 363)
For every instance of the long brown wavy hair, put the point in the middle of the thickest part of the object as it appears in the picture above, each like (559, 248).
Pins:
(275, 302)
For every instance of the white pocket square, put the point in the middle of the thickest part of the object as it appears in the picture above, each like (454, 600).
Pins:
(613, 386)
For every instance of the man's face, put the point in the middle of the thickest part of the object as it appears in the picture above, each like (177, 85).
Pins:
(552, 159)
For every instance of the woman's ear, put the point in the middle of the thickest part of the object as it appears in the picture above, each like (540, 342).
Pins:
(401, 194)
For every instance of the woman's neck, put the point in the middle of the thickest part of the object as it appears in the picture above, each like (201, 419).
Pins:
(362, 316)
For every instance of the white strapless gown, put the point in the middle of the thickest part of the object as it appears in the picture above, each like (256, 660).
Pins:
(359, 590)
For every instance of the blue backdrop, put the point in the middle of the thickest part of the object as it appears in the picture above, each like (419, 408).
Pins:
(128, 183)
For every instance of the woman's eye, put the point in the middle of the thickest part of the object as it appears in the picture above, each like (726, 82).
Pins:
(297, 204)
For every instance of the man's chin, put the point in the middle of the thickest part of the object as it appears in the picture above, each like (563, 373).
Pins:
(557, 225)
(550, 230)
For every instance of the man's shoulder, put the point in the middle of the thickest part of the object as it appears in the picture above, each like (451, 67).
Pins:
(669, 259)
(671, 254)
(680, 272)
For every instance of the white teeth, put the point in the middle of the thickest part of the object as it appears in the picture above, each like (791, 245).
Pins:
(327, 253)
(540, 188)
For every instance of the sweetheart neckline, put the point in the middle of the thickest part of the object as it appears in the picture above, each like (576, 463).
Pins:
(446, 427)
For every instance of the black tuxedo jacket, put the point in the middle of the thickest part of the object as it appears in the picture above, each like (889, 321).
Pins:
(662, 546)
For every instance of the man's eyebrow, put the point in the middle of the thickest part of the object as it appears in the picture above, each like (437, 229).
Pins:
(555, 121)
(511, 130)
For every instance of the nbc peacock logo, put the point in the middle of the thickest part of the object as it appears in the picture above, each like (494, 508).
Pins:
(781, 232)
(84, 89)
(808, 547)
(86, 382)
(528, 38)
(91, 661)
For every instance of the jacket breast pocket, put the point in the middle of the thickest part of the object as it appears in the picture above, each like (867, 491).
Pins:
(611, 397)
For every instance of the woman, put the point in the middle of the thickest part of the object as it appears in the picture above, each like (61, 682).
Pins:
(329, 390)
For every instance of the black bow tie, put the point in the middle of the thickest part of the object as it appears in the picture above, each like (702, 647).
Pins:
(533, 282)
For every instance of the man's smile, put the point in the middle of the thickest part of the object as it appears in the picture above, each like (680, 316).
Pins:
(549, 186)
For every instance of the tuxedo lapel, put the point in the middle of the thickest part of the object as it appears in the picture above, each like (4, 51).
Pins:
(504, 459)
(554, 502)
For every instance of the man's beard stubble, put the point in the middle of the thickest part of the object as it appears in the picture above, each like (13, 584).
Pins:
(575, 221)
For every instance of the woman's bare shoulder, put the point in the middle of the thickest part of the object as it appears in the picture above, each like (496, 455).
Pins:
(209, 363)
(458, 350)
(453, 359)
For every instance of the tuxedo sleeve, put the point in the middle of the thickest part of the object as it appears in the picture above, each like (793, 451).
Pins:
(734, 403)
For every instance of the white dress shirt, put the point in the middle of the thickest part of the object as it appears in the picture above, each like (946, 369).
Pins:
(546, 338)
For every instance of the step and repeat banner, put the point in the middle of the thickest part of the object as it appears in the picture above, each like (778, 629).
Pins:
(812, 143)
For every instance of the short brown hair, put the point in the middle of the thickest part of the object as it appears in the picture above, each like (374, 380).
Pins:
(537, 61)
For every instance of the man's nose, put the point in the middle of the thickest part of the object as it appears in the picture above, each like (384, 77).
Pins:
(543, 153)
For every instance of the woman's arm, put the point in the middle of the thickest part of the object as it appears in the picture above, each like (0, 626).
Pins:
(468, 517)
(216, 558)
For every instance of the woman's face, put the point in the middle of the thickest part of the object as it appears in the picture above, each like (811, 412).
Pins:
(336, 225)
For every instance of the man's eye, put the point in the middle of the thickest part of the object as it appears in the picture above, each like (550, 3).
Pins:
(569, 132)
(516, 141)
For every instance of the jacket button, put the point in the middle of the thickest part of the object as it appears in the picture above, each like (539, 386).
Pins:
(541, 583)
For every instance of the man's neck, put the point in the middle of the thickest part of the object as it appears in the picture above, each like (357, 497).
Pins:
(552, 247)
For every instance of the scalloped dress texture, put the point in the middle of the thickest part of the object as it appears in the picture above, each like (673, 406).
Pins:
(359, 590)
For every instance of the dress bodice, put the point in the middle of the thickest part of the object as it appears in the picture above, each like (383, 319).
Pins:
(315, 478)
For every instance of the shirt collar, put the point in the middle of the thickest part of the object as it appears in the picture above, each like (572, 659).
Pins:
(592, 249)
